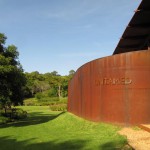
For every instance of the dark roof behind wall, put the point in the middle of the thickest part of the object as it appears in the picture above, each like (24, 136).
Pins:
(137, 34)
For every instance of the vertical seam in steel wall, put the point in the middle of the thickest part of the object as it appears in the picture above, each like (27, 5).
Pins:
(72, 85)
(90, 94)
(126, 92)
(101, 96)
(92, 88)
(80, 84)
(69, 98)
(71, 101)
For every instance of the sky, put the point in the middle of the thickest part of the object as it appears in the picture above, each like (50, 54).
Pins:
(62, 35)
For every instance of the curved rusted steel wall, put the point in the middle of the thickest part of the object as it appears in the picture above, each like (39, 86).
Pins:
(113, 89)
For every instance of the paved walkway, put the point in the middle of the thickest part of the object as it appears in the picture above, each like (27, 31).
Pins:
(137, 138)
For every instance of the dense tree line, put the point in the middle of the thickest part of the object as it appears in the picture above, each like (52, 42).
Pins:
(55, 84)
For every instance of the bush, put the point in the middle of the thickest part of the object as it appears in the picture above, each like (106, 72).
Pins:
(31, 102)
(58, 107)
(52, 92)
(64, 100)
(50, 99)
(38, 96)
(12, 114)
(6, 114)
(18, 113)
(45, 101)
(4, 119)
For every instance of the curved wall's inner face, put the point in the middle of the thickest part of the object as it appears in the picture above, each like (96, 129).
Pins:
(113, 89)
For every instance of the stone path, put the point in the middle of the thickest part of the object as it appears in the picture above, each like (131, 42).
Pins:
(137, 138)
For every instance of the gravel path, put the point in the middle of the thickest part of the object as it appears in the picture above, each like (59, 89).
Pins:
(138, 139)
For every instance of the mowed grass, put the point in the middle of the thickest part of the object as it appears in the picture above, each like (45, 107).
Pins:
(48, 130)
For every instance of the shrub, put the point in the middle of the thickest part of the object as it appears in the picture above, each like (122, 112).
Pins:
(6, 113)
(64, 100)
(45, 101)
(52, 92)
(11, 114)
(31, 102)
(18, 113)
(48, 100)
(38, 96)
(4, 119)
(58, 107)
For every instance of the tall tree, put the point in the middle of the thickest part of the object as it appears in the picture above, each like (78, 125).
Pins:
(12, 79)
(71, 72)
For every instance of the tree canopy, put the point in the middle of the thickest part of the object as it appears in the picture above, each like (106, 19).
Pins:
(12, 79)
(56, 84)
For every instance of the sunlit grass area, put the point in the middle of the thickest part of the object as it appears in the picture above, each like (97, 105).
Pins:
(44, 129)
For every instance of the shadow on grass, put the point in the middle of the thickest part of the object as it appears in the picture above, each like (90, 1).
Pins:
(114, 146)
(7, 143)
(33, 119)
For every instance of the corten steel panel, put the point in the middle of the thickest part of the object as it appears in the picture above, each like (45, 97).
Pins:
(109, 112)
(113, 89)
(95, 93)
(86, 103)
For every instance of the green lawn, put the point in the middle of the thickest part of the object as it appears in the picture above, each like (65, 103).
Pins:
(47, 130)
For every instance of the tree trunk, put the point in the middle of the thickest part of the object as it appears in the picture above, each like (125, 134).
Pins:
(5, 110)
(59, 91)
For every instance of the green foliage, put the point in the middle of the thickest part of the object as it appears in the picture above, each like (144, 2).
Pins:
(48, 95)
(51, 99)
(71, 72)
(11, 114)
(31, 102)
(38, 96)
(63, 100)
(56, 85)
(4, 119)
(58, 107)
(54, 73)
(52, 92)
(47, 101)
(2, 38)
(19, 113)
(12, 79)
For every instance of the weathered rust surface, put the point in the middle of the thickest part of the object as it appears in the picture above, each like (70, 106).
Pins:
(113, 89)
